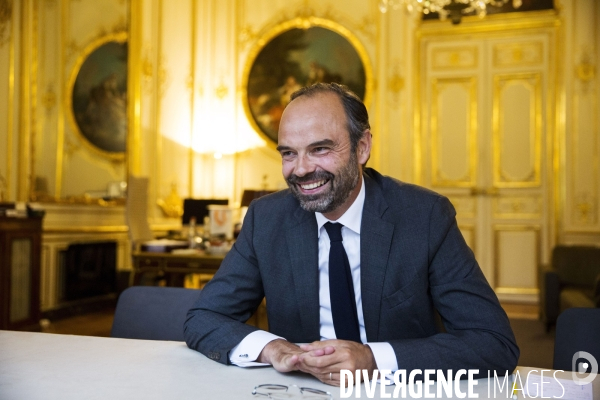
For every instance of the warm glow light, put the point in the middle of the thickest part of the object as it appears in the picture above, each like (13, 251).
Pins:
(216, 130)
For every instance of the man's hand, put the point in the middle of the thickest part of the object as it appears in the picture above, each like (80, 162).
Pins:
(281, 354)
(325, 359)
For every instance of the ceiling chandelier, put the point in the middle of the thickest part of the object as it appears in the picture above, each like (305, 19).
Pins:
(453, 9)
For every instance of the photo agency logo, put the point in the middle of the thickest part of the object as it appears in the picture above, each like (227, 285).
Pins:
(584, 367)
(432, 383)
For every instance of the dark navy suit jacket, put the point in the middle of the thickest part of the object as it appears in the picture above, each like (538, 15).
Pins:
(414, 262)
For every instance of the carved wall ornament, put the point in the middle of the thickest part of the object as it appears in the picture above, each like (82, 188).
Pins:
(163, 77)
(395, 83)
(585, 209)
(221, 91)
(368, 27)
(49, 98)
(246, 36)
(585, 72)
(5, 18)
(147, 73)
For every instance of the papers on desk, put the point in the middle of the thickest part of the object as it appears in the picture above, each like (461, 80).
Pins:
(552, 387)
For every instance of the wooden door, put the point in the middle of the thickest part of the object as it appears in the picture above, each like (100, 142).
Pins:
(486, 142)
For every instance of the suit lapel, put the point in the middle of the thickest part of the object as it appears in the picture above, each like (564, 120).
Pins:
(375, 244)
(303, 245)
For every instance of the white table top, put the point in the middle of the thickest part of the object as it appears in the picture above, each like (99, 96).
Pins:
(49, 366)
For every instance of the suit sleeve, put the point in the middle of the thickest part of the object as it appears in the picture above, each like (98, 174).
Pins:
(216, 322)
(478, 333)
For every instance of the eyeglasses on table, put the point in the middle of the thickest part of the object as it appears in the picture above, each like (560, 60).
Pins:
(277, 392)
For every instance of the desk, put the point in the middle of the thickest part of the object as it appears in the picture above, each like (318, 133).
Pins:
(48, 366)
(174, 264)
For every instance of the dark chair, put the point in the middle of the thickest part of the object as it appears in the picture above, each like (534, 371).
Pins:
(572, 280)
(152, 312)
(577, 329)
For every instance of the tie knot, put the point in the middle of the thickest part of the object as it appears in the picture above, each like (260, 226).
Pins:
(334, 231)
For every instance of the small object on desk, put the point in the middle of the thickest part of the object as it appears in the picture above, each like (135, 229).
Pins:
(163, 245)
(218, 246)
(186, 251)
(192, 233)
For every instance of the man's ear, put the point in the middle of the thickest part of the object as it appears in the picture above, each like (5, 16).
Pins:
(363, 150)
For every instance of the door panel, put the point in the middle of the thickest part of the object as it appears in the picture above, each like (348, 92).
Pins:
(516, 129)
(483, 132)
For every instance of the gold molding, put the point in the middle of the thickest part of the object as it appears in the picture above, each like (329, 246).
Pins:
(517, 50)
(160, 79)
(87, 229)
(193, 25)
(64, 8)
(11, 108)
(120, 37)
(492, 23)
(303, 21)
(525, 291)
(499, 228)
(533, 81)
(26, 101)
(454, 58)
(33, 128)
(437, 176)
(134, 89)
(518, 204)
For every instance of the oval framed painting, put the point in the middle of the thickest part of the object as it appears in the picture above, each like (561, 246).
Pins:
(98, 95)
(298, 53)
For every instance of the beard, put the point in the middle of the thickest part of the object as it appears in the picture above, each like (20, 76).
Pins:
(340, 187)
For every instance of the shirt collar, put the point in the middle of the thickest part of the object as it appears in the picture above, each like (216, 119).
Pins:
(352, 218)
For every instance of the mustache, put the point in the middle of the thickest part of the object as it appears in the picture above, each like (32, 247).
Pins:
(313, 176)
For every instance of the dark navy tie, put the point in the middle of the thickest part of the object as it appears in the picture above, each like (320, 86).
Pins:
(341, 287)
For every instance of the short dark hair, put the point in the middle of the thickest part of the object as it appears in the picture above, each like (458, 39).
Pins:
(356, 112)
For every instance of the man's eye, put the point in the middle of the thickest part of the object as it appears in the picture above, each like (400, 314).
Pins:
(320, 149)
(286, 154)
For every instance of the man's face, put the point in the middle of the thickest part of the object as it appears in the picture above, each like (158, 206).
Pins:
(317, 162)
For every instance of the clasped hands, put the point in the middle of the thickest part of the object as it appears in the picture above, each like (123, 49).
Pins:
(323, 359)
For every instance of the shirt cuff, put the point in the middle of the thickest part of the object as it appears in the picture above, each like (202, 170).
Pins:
(248, 350)
(385, 358)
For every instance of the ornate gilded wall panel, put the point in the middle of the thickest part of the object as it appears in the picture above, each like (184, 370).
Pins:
(518, 54)
(453, 132)
(516, 258)
(517, 207)
(7, 98)
(517, 125)
(454, 58)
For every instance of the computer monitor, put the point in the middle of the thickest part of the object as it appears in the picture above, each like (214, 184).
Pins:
(198, 208)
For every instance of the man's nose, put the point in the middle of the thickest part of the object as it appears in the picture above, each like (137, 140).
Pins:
(304, 165)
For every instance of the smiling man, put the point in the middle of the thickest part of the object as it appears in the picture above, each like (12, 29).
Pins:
(355, 265)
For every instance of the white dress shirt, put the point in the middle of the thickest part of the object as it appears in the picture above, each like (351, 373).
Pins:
(248, 350)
